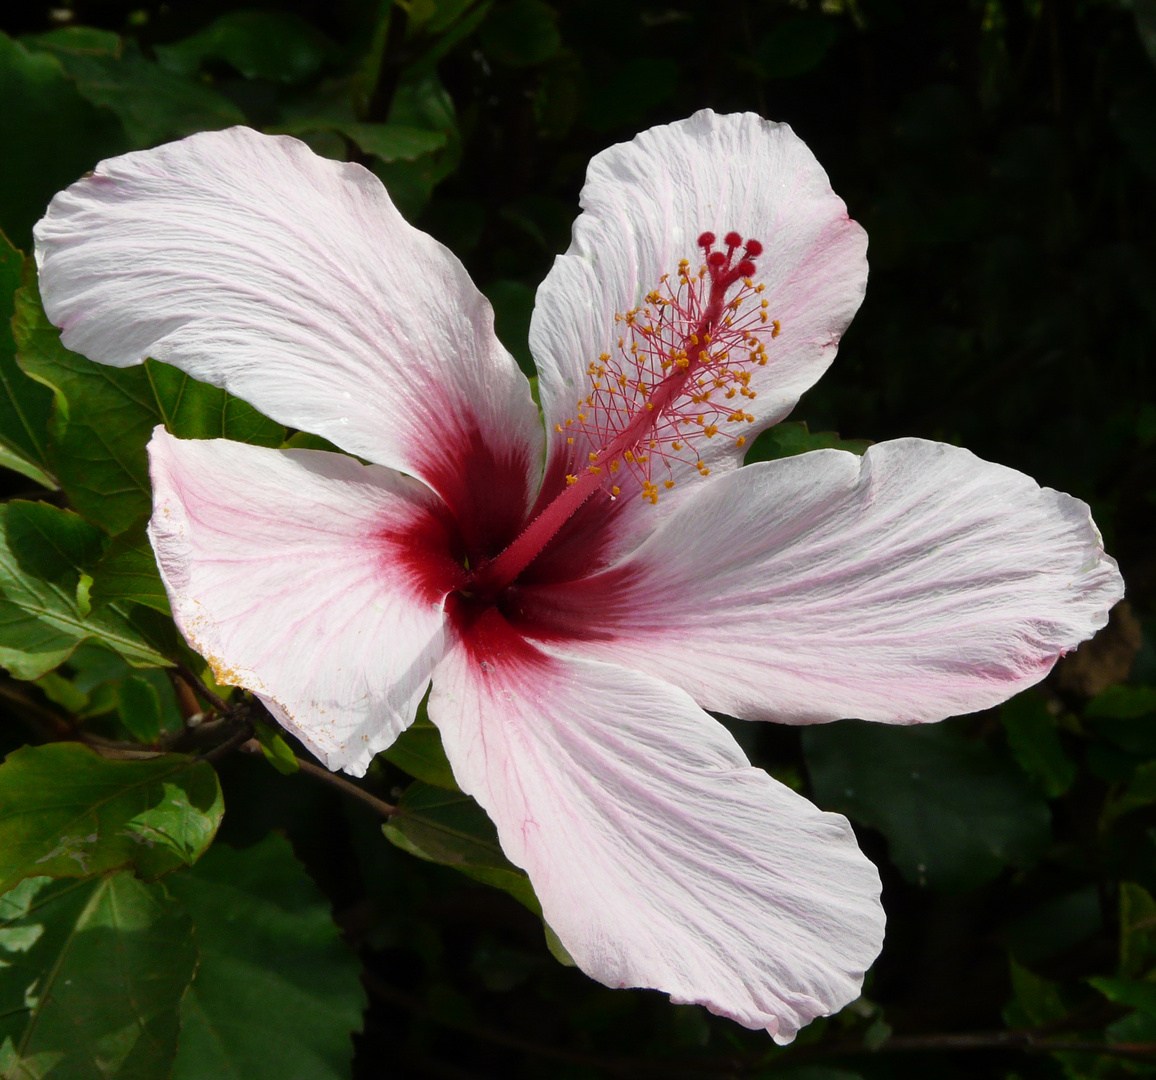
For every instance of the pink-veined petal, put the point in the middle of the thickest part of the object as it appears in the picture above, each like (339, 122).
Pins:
(293, 281)
(308, 578)
(911, 584)
(644, 205)
(660, 856)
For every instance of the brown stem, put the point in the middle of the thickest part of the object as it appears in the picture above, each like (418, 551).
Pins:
(347, 786)
(214, 699)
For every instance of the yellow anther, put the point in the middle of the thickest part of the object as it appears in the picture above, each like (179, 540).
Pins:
(653, 443)
(569, 422)
(668, 484)
(760, 288)
(710, 431)
(570, 440)
(763, 318)
(698, 419)
(676, 445)
(614, 466)
(629, 455)
(595, 469)
(558, 428)
(741, 440)
(776, 329)
(765, 304)
(571, 479)
(582, 417)
(604, 357)
(616, 490)
(750, 419)
(593, 456)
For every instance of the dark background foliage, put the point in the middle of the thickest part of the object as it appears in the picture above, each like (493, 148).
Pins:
(1002, 156)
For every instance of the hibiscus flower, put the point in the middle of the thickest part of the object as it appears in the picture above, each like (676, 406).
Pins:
(579, 585)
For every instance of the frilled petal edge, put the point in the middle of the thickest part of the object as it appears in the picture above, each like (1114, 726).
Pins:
(300, 575)
(291, 280)
(911, 584)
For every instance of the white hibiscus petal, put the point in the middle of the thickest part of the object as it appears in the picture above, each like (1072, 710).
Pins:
(911, 584)
(308, 578)
(645, 204)
(292, 281)
(661, 857)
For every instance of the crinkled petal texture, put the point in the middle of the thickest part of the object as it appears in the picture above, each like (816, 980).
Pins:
(661, 857)
(290, 571)
(911, 584)
(292, 281)
(645, 203)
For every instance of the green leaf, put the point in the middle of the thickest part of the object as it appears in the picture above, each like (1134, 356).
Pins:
(1137, 929)
(91, 979)
(1139, 792)
(1035, 743)
(449, 828)
(418, 751)
(65, 811)
(276, 749)
(1135, 993)
(140, 709)
(793, 437)
(1123, 703)
(521, 33)
(128, 571)
(1036, 1002)
(49, 135)
(513, 304)
(40, 617)
(795, 46)
(260, 44)
(952, 812)
(389, 142)
(276, 994)
(103, 417)
(153, 103)
(24, 405)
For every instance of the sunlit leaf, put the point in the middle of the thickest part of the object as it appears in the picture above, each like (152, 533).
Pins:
(40, 610)
(104, 416)
(128, 571)
(92, 978)
(275, 749)
(418, 751)
(793, 437)
(952, 812)
(449, 828)
(65, 811)
(24, 404)
(276, 994)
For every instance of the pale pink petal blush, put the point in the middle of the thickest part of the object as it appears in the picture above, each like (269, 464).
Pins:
(660, 856)
(911, 584)
(290, 572)
(293, 281)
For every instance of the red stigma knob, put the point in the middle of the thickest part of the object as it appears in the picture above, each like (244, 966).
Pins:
(706, 239)
(732, 239)
(716, 259)
(746, 268)
(754, 249)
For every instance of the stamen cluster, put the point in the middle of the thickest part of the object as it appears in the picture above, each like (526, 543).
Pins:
(684, 359)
